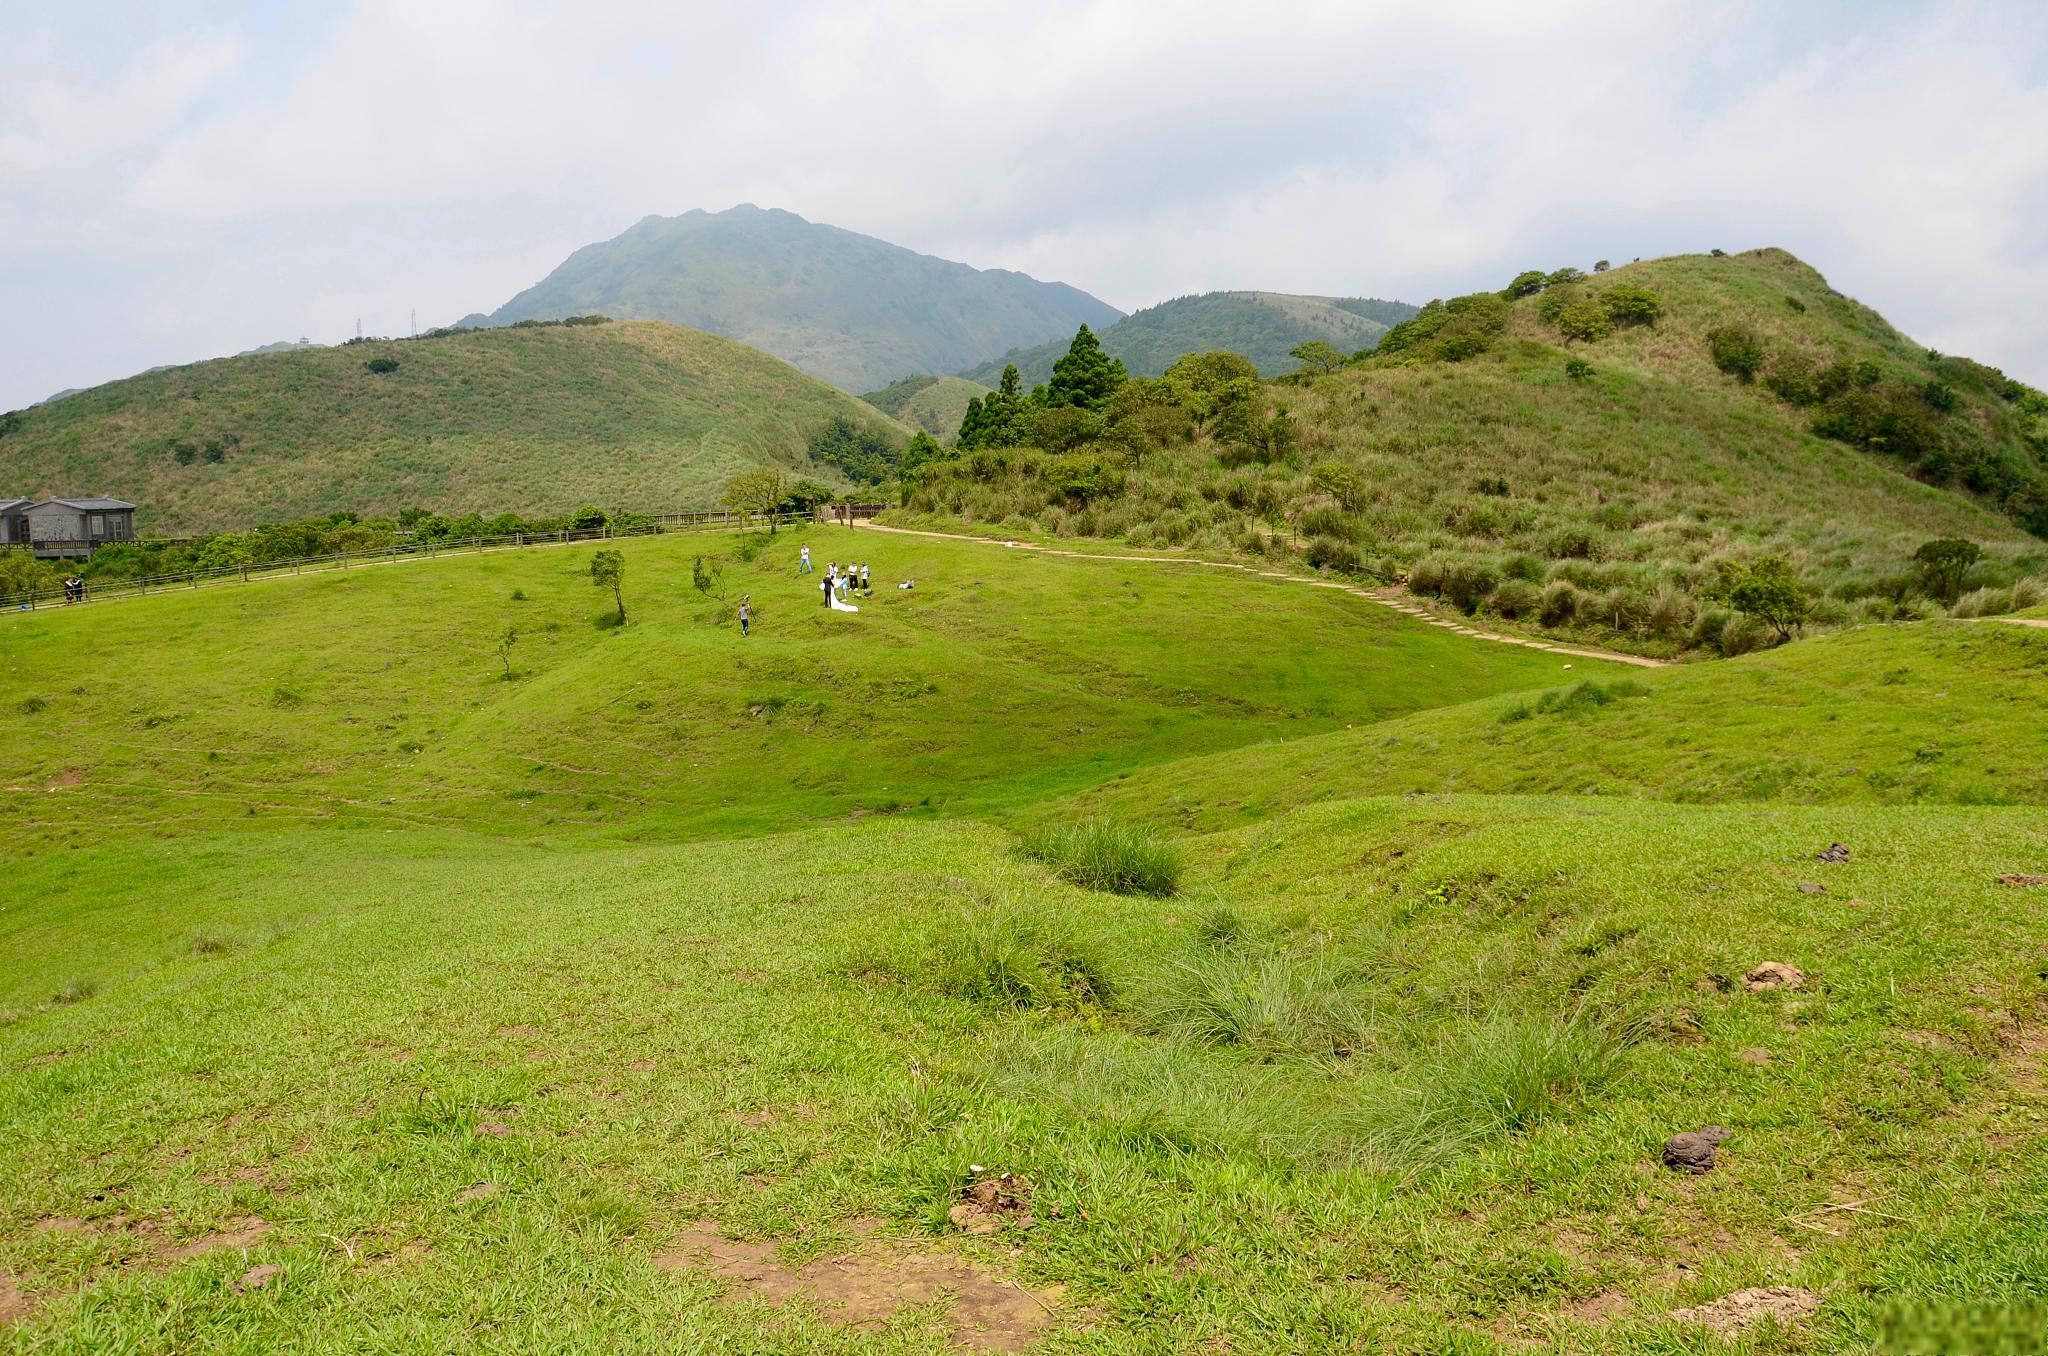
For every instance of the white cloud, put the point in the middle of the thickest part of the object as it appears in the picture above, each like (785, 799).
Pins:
(443, 156)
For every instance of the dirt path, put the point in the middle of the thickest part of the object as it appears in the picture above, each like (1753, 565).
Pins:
(2020, 621)
(1393, 598)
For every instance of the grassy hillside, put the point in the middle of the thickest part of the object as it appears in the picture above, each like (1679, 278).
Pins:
(933, 404)
(1263, 326)
(352, 994)
(1588, 486)
(538, 420)
(846, 308)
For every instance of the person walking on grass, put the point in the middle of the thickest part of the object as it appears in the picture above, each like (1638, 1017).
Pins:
(803, 560)
(746, 612)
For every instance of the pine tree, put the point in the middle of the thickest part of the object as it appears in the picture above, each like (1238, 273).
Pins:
(1086, 377)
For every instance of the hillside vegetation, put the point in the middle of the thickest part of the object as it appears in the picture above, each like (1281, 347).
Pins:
(367, 983)
(1579, 457)
(847, 308)
(935, 405)
(535, 420)
(1263, 326)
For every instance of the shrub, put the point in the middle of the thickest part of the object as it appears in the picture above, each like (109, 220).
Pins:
(1526, 284)
(1768, 590)
(1939, 396)
(1943, 563)
(1327, 520)
(1328, 553)
(1559, 604)
(1517, 598)
(1099, 854)
(381, 365)
(2028, 592)
(1465, 582)
(75, 991)
(1583, 320)
(1737, 350)
(1578, 369)
(1427, 575)
(1342, 483)
(1258, 998)
(1631, 304)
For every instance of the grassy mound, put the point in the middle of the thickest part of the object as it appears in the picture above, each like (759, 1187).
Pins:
(353, 995)
(645, 415)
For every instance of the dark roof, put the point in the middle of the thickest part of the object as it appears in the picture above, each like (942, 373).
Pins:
(97, 505)
(6, 504)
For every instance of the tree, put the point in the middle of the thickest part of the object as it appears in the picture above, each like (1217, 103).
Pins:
(505, 644)
(1768, 590)
(1342, 483)
(760, 490)
(1585, 320)
(1202, 383)
(1944, 563)
(1317, 356)
(589, 518)
(608, 571)
(1086, 377)
(922, 451)
(1526, 284)
(1629, 304)
(999, 419)
(1601, 266)
(805, 495)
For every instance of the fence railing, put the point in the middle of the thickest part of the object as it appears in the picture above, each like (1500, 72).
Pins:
(696, 520)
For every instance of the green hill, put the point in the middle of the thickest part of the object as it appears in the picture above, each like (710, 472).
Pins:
(846, 308)
(933, 404)
(1592, 485)
(357, 995)
(534, 420)
(1263, 326)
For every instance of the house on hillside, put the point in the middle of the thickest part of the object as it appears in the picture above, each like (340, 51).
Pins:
(65, 527)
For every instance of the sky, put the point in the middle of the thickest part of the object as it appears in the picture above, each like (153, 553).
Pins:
(184, 180)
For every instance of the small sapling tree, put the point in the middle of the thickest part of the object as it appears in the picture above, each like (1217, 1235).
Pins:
(505, 644)
(1317, 356)
(760, 490)
(1769, 590)
(608, 571)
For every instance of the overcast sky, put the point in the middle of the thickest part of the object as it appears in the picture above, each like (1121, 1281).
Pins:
(183, 180)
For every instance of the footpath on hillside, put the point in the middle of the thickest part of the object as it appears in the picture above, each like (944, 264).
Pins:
(1392, 598)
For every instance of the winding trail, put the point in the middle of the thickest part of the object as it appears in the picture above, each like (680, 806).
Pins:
(1392, 598)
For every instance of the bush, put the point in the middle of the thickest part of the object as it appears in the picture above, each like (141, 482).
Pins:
(1989, 602)
(1559, 604)
(1737, 350)
(1329, 553)
(1583, 320)
(1518, 598)
(381, 365)
(1466, 582)
(1578, 369)
(1099, 854)
(1631, 304)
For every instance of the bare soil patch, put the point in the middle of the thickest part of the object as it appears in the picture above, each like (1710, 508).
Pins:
(255, 1278)
(1732, 1313)
(869, 1285)
(991, 1201)
(14, 1302)
(2022, 879)
(243, 1235)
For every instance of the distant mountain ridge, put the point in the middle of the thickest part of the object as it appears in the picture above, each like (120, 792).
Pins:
(844, 307)
(1263, 326)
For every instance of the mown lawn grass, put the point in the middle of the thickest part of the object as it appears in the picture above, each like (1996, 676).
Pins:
(668, 1032)
(377, 697)
(477, 993)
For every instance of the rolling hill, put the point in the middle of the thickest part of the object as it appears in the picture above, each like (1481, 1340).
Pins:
(933, 404)
(1593, 485)
(534, 419)
(847, 308)
(1263, 326)
(365, 986)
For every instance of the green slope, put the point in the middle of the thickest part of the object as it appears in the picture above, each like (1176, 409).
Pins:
(1491, 479)
(1263, 326)
(353, 996)
(645, 416)
(846, 308)
(934, 404)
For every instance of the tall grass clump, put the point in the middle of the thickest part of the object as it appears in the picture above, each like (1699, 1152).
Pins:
(1008, 959)
(1263, 999)
(1100, 854)
(1488, 1079)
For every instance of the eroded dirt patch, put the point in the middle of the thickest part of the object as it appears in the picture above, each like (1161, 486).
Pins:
(243, 1235)
(872, 1283)
(1732, 1313)
(14, 1303)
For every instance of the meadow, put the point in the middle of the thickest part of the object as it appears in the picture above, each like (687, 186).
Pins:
(680, 992)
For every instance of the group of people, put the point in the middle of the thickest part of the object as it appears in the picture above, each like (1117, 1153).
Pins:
(840, 583)
(74, 589)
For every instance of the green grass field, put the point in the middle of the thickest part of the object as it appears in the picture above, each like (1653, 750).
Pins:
(676, 992)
